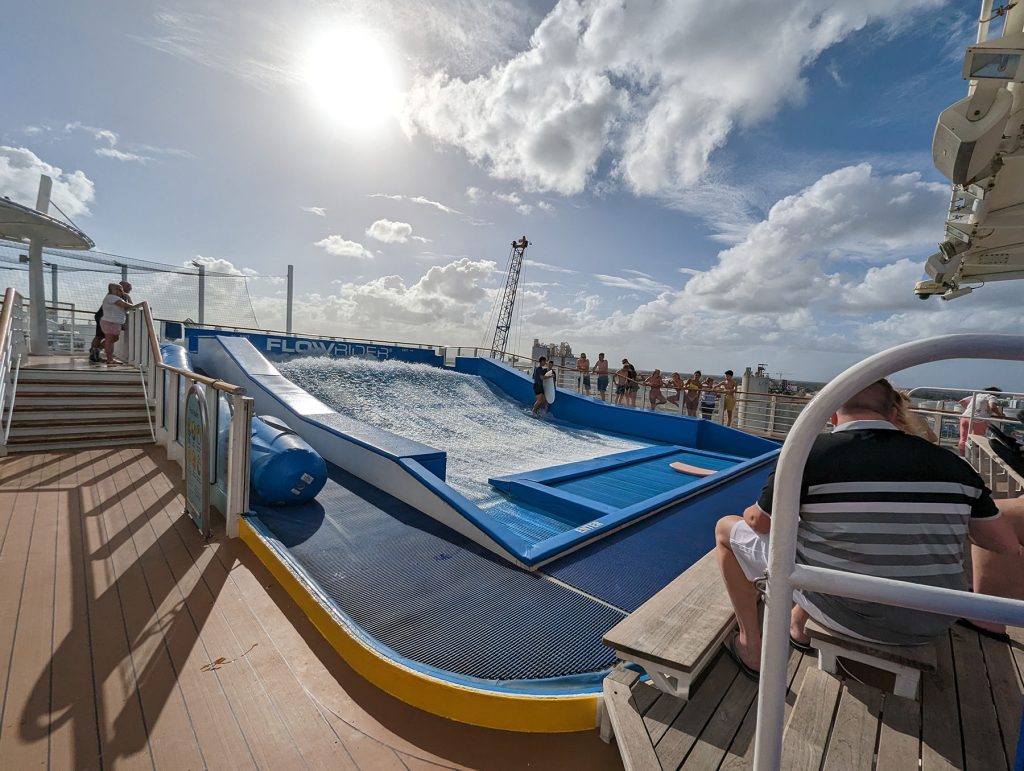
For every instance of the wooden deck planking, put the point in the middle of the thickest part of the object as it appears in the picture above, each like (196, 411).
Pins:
(253, 649)
(73, 728)
(270, 744)
(940, 716)
(29, 657)
(213, 721)
(899, 738)
(851, 746)
(1006, 691)
(806, 733)
(983, 746)
(126, 606)
(169, 728)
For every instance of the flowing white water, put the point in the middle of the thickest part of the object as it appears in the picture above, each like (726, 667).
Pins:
(484, 433)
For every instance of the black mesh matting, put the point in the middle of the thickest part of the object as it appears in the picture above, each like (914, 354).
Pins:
(434, 596)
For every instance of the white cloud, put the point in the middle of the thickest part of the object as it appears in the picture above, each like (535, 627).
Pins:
(19, 179)
(637, 283)
(474, 194)
(660, 86)
(390, 232)
(517, 202)
(849, 214)
(118, 155)
(421, 239)
(545, 206)
(418, 199)
(833, 70)
(319, 211)
(341, 247)
(548, 267)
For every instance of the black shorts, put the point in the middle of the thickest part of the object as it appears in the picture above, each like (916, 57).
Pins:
(602, 382)
(538, 390)
(586, 381)
(99, 331)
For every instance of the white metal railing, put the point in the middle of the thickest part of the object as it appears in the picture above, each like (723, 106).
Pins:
(784, 575)
(13, 346)
(230, 414)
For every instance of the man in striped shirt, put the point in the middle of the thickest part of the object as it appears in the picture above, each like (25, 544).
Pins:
(874, 501)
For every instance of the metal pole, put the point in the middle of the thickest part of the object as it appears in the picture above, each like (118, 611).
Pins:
(288, 313)
(53, 289)
(202, 291)
(124, 272)
(36, 284)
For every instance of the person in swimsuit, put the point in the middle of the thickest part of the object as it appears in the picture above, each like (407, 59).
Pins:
(691, 395)
(655, 383)
(601, 370)
(675, 382)
(540, 372)
(728, 387)
(583, 368)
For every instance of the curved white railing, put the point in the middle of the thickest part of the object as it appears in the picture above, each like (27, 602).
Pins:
(12, 347)
(784, 575)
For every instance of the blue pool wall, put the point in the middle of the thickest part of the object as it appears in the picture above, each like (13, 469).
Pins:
(644, 424)
(414, 473)
(275, 347)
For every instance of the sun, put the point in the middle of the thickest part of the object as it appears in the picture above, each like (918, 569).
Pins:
(351, 76)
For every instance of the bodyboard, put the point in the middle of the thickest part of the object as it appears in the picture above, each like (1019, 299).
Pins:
(549, 387)
(686, 468)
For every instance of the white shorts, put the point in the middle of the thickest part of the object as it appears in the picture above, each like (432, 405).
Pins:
(751, 551)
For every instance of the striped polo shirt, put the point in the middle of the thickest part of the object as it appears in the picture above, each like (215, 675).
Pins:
(880, 502)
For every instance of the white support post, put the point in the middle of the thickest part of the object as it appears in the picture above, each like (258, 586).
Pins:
(288, 311)
(237, 472)
(54, 296)
(38, 338)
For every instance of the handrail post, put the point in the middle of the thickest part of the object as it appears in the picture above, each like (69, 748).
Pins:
(237, 472)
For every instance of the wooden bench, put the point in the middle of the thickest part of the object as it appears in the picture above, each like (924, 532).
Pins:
(906, 662)
(676, 633)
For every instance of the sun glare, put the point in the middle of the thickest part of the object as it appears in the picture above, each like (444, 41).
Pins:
(352, 77)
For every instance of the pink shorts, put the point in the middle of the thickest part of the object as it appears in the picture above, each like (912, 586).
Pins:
(110, 327)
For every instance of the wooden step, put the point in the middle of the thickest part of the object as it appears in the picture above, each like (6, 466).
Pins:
(99, 374)
(54, 430)
(71, 389)
(78, 444)
(67, 415)
(83, 401)
(676, 633)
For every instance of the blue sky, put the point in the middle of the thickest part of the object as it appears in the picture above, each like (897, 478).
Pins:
(705, 185)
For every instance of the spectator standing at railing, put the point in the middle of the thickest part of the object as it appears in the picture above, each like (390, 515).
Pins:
(632, 384)
(728, 389)
(691, 394)
(977, 408)
(654, 382)
(621, 379)
(112, 318)
(123, 289)
(675, 382)
(708, 399)
(601, 370)
(583, 378)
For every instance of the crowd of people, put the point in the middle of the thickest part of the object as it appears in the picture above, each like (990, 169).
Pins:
(700, 395)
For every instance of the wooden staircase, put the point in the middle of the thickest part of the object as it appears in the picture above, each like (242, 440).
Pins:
(78, 406)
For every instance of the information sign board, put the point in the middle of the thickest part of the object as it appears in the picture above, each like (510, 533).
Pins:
(197, 462)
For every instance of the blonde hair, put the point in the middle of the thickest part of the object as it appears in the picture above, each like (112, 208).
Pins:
(910, 422)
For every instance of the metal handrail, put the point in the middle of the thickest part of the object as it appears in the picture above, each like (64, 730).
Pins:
(13, 395)
(784, 575)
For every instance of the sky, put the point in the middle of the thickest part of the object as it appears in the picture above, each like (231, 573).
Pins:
(704, 185)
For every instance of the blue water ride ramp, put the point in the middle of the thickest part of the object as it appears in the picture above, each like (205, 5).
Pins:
(493, 482)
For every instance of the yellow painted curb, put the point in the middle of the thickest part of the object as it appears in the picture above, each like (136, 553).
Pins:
(489, 709)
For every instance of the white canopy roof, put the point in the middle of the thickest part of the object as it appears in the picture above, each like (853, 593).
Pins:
(21, 223)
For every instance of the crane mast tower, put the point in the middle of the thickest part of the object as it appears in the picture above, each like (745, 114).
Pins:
(508, 299)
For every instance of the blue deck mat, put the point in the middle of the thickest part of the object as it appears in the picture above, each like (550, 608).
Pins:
(434, 596)
(629, 567)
